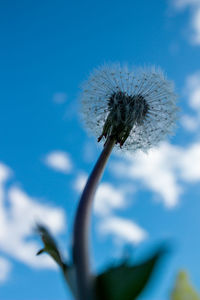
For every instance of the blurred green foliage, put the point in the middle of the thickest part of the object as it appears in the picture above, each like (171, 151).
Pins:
(122, 282)
(126, 281)
(183, 289)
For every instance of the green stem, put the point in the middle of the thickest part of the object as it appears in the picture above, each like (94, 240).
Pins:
(81, 226)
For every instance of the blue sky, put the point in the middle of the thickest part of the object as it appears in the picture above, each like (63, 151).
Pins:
(47, 49)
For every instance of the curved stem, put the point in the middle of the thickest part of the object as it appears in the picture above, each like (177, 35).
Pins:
(81, 226)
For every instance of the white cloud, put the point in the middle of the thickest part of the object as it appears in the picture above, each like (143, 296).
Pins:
(190, 122)
(107, 199)
(196, 26)
(163, 170)
(188, 163)
(59, 161)
(195, 16)
(122, 230)
(5, 173)
(192, 92)
(5, 268)
(18, 215)
(59, 98)
(80, 182)
(180, 4)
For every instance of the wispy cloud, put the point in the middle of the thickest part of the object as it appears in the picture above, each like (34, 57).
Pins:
(163, 170)
(59, 161)
(180, 4)
(5, 268)
(80, 182)
(18, 215)
(193, 89)
(60, 98)
(108, 198)
(194, 5)
(192, 92)
(122, 230)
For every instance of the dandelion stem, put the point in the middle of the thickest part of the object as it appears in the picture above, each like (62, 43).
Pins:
(82, 223)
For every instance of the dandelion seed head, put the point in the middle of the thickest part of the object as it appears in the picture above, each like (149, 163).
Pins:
(136, 107)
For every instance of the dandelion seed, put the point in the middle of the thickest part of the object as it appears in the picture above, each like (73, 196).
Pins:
(137, 108)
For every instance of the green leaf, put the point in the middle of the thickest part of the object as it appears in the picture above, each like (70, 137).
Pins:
(51, 248)
(183, 288)
(125, 281)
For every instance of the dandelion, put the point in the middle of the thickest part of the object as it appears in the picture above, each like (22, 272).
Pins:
(135, 107)
(129, 109)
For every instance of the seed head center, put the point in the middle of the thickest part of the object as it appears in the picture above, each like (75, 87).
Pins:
(124, 112)
(127, 108)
